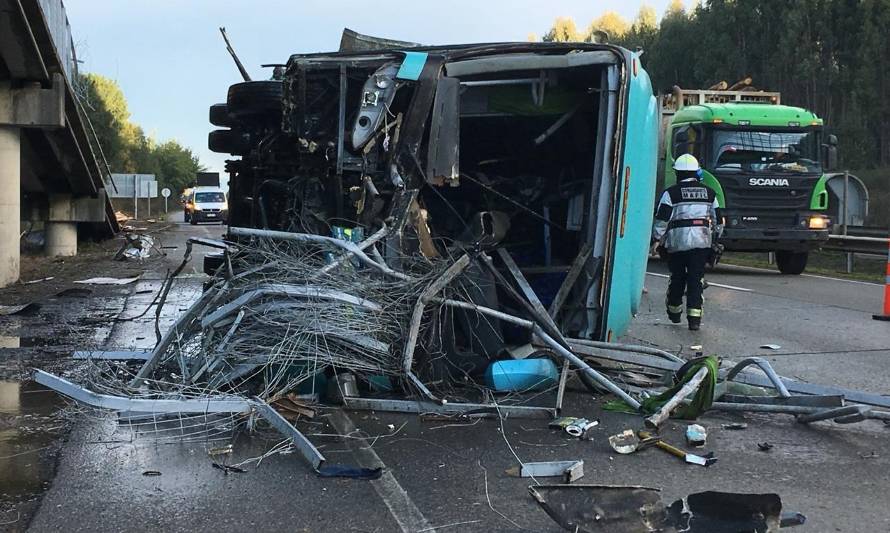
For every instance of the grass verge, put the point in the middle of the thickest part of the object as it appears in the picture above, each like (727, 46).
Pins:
(824, 263)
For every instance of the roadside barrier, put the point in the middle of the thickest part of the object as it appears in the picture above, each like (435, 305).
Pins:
(886, 313)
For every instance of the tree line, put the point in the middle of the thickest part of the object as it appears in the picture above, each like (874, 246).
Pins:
(828, 56)
(126, 147)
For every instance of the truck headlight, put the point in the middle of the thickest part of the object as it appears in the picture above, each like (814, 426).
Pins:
(818, 222)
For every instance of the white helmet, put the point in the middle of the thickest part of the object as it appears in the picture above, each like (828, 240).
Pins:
(687, 163)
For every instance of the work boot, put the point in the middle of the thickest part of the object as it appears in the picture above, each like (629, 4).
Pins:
(675, 312)
(694, 322)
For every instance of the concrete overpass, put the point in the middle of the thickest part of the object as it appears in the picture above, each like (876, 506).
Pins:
(50, 175)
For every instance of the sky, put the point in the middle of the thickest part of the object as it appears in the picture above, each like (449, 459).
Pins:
(170, 60)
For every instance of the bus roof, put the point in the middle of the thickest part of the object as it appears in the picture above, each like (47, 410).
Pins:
(754, 114)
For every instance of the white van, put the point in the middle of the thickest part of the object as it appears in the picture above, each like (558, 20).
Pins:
(206, 204)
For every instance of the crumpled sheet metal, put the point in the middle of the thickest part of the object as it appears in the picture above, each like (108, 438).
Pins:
(602, 508)
(136, 246)
(630, 509)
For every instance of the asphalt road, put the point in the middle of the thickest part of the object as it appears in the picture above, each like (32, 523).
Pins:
(452, 478)
(828, 321)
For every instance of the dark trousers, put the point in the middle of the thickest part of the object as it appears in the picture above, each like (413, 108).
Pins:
(687, 271)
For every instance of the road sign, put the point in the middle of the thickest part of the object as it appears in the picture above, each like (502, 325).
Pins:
(165, 192)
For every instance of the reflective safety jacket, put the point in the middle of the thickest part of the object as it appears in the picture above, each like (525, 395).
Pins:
(687, 217)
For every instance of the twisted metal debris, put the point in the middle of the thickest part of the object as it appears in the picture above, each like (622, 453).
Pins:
(303, 305)
(287, 316)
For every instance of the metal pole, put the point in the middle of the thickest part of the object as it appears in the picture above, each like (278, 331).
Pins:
(135, 197)
(849, 256)
(846, 190)
(584, 367)
(687, 390)
(549, 341)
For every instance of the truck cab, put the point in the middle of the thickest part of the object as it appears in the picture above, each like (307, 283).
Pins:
(765, 162)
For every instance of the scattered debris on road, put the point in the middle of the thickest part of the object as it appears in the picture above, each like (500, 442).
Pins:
(136, 246)
(227, 469)
(301, 324)
(696, 435)
(107, 281)
(629, 441)
(33, 281)
(648, 439)
(569, 471)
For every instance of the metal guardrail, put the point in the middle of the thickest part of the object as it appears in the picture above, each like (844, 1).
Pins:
(60, 32)
(867, 231)
(860, 239)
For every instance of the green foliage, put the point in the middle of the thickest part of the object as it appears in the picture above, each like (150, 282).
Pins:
(563, 31)
(642, 32)
(610, 22)
(830, 56)
(124, 144)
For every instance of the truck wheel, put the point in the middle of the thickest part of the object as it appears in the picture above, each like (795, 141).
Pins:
(228, 142)
(256, 99)
(792, 263)
(219, 116)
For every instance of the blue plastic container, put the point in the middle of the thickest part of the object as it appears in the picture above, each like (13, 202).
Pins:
(515, 375)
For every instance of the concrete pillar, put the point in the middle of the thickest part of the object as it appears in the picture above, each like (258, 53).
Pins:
(61, 232)
(10, 203)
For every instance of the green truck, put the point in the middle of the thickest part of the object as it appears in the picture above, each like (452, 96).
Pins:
(766, 162)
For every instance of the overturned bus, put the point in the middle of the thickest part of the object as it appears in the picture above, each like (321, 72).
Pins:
(543, 152)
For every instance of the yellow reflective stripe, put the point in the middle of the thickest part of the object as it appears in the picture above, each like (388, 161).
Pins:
(694, 312)
(675, 308)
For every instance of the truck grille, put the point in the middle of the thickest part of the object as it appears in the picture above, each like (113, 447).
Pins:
(740, 195)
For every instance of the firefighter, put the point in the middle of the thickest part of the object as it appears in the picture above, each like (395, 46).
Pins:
(687, 224)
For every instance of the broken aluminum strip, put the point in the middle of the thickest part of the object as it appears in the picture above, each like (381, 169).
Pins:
(475, 409)
(309, 451)
(113, 355)
(286, 291)
(122, 403)
(570, 471)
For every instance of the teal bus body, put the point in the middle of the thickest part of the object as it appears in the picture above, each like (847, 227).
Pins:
(635, 192)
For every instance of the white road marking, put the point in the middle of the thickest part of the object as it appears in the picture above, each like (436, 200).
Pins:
(401, 508)
(710, 283)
